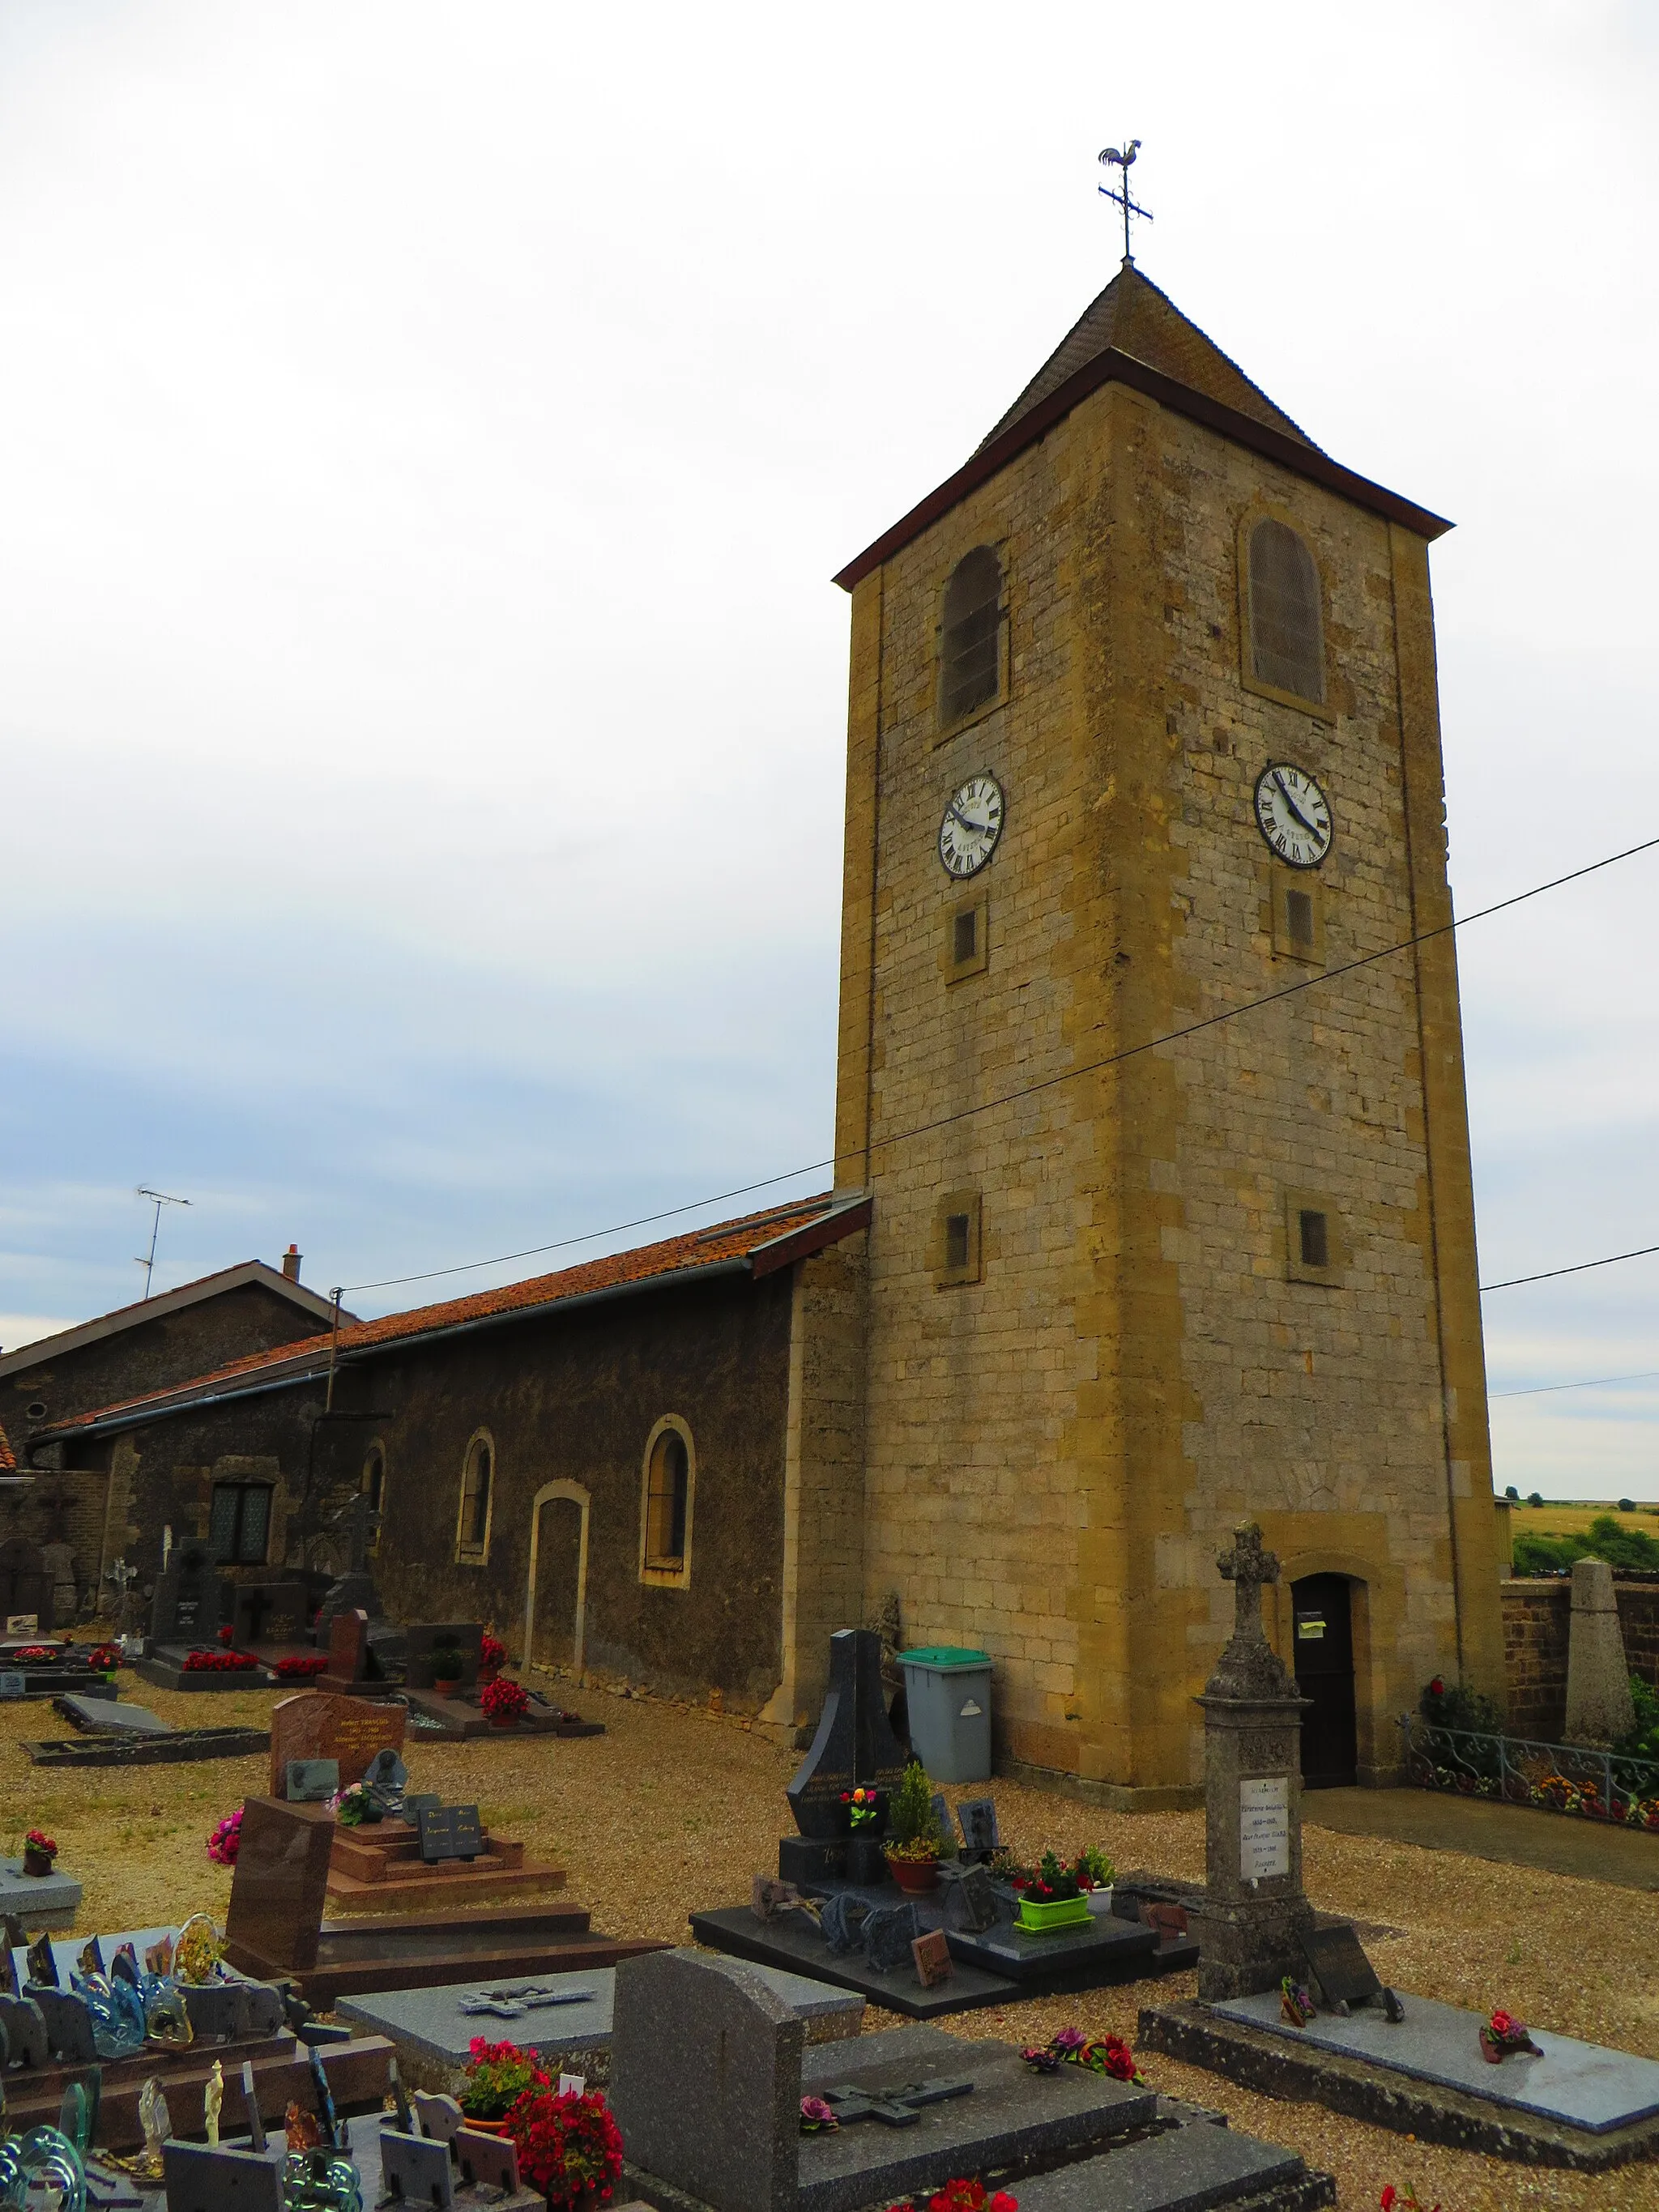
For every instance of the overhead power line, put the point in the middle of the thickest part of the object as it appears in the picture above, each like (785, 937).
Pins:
(1595, 1382)
(1578, 1267)
(1046, 1082)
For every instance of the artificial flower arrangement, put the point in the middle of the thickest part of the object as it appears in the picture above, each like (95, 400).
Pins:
(354, 1805)
(1296, 2004)
(226, 1840)
(1503, 2037)
(1093, 1870)
(104, 1658)
(39, 1852)
(964, 2196)
(300, 1666)
(218, 1662)
(817, 2118)
(492, 1655)
(497, 2075)
(568, 2147)
(503, 1700)
(1101, 2054)
(37, 1654)
(226, 1635)
(863, 1807)
(1405, 2200)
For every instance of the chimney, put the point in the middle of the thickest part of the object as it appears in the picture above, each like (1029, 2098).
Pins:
(291, 1263)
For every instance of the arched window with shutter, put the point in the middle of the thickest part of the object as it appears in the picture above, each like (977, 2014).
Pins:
(1286, 646)
(477, 1488)
(669, 1477)
(970, 646)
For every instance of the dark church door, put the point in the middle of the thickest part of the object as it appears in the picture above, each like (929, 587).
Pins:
(1324, 1674)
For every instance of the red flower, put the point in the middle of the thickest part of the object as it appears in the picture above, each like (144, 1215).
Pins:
(569, 2147)
(1437, 1689)
(1503, 2023)
(226, 1637)
(1389, 2191)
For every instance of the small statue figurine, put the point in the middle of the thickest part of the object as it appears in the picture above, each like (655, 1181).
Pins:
(303, 2132)
(213, 2098)
(156, 2121)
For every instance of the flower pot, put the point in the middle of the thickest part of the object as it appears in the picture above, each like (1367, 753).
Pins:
(867, 1862)
(915, 1877)
(37, 1862)
(1041, 1919)
(485, 2127)
(1099, 1902)
(502, 1720)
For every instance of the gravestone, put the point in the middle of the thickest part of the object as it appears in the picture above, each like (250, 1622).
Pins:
(451, 1831)
(970, 1902)
(931, 1954)
(415, 2170)
(347, 1649)
(278, 1887)
(270, 1613)
(854, 1746)
(977, 1819)
(427, 1638)
(1254, 1917)
(889, 1932)
(705, 2079)
(1338, 1963)
(189, 1602)
(320, 1724)
(1600, 1708)
(311, 1781)
(197, 2178)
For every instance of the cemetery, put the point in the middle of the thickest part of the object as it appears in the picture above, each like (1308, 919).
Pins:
(814, 1978)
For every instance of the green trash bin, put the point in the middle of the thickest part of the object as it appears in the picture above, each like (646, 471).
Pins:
(947, 1692)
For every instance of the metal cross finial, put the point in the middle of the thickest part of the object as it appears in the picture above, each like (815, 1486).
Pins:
(1112, 159)
(1247, 1566)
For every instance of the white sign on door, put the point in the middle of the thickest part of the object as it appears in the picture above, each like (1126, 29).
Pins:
(1264, 1828)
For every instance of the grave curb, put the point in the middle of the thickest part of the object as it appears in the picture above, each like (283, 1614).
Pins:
(1256, 2059)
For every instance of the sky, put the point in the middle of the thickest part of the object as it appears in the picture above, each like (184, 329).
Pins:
(427, 436)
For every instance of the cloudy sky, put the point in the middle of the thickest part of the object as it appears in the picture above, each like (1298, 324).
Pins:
(427, 434)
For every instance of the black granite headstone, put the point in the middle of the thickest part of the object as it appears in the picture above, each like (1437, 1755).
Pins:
(854, 1745)
(189, 1602)
(1339, 1965)
(889, 1932)
(453, 1832)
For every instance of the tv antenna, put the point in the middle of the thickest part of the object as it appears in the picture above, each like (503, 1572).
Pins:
(159, 1198)
(1112, 159)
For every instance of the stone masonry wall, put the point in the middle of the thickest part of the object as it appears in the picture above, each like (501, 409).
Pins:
(1537, 1623)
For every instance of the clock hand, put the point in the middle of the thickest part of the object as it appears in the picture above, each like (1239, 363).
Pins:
(979, 828)
(1291, 802)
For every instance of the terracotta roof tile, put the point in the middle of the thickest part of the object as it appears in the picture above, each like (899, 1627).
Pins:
(698, 1247)
(8, 1459)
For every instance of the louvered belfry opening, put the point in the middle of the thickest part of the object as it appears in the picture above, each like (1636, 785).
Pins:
(1287, 645)
(970, 660)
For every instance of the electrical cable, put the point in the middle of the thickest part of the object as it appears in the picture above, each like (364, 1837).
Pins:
(1047, 1083)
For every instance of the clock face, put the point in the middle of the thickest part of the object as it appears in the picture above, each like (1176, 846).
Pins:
(973, 822)
(1293, 815)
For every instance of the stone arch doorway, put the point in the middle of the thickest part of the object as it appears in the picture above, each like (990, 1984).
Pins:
(1321, 1609)
(555, 1594)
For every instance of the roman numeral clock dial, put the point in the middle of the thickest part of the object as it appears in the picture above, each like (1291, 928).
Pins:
(1294, 814)
(973, 822)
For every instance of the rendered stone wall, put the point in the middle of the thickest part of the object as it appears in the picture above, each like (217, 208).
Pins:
(1056, 1453)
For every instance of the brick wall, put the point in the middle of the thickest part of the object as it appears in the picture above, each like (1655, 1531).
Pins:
(1537, 1621)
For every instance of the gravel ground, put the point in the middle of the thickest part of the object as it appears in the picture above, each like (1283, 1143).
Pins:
(674, 1809)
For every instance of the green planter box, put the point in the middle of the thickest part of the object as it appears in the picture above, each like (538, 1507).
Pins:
(1065, 1912)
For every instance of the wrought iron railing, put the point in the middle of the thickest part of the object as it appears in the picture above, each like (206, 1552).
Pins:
(1585, 1779)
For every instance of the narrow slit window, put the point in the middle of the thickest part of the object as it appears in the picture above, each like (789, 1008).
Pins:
(965, 937)
(667, 1497)
(1287, 643)
(475, 1497)
(958, 1230)
(1316, 1239)
(1299, 913)
(970, 659)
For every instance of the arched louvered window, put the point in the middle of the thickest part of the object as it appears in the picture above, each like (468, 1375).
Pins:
(477, 1482)
(970, 652)
(1287, 638)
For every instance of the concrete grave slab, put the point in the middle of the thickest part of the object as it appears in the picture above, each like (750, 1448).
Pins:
(794, 1942)
(1195, 2167)
(1583, 2085)
(107, 1716)
(45, 1900)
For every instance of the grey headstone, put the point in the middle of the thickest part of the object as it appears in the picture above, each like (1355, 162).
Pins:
(977, 1819)
(442, 2117)
(68, 2025)
(14, 1683)
(1600, 1709)
(310, 1781)
(971, 1902)
(889, 1932)
(218, 2010)
(415, 2169)
(265, 2008)
(1340, 1964)
(25, 2025)
(197, 2179)
(705, 2079)
(489, 2161)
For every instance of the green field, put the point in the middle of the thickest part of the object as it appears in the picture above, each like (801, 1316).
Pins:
(1573, 1517)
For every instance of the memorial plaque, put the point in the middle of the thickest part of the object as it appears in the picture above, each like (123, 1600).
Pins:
(931, 1954)
(318, 1724)
(889, 1932)
(13, 1683)
(971, 1902)
(278, 1888)
(453, 1832)
(199, 2180)
(23, 1624)
(415, 2170)
(310, 1781)
(442, 2117)
(489, 2162)
(977, 1818)
(1264, 1828)
(854, 1745)
(1340, 1964)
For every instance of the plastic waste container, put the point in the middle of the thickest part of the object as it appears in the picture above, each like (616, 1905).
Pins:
(947, 1692)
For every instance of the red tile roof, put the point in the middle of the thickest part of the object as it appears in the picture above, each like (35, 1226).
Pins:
(763, 1241)
(7, 1461)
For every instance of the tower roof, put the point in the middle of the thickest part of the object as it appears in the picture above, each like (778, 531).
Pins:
(1133, 317)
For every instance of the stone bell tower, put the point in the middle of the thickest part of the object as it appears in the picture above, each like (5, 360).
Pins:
(1143, 730)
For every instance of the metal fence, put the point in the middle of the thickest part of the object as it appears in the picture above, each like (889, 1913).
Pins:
(1583, 1779)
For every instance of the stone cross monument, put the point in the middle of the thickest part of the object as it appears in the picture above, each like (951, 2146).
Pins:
(1255, 1912)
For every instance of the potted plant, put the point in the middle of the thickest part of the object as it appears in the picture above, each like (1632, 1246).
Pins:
(448, 1664)
(503, 1702)
(104, 1659)
(1051, 1898)
(492, 1655)
(912, 1851)
(1096, 1874)
(568, 2145)
(497, 2075)
(39, 1852)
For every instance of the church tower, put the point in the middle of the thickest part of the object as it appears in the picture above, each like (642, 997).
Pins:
(1143, 727)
